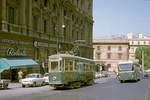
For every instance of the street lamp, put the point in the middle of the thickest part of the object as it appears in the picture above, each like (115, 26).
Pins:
(58, 46)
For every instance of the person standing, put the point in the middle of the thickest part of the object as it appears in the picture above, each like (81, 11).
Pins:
(20, 74)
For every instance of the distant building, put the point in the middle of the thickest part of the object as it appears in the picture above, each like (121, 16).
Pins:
(108, 51)
(135, 41)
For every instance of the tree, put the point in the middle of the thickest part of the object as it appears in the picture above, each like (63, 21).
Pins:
(138, 55)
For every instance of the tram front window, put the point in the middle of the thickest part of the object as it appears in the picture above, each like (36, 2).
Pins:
(54, 66)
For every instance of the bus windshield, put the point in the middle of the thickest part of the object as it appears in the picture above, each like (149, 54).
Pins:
(125, 66)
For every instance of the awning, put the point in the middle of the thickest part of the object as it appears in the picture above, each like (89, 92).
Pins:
(6, 63)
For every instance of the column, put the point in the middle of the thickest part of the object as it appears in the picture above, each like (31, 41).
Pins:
(3, 15)
(22, 16)
(29, 17)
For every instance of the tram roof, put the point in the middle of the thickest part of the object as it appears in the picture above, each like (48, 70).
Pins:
(69, 56)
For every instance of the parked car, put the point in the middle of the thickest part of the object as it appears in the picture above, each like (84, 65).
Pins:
(105, 74)
(146, 75)
(4, 83)
(98, 75)
(46, 80)
(34, 79)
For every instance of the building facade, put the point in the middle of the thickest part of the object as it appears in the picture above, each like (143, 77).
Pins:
(40, 28)
(136, 41)
(107, 52)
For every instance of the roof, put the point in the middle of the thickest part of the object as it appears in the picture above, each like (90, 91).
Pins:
(127, 61)
(109, 41)
(68, 56)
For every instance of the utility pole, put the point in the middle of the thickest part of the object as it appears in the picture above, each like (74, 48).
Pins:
(143, 63)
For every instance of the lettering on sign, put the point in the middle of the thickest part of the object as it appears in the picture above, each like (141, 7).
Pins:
(15, 42)
(15, 52)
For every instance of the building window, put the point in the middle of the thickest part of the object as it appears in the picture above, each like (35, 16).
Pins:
(98, 47)
(120, 48)
(109, 48)
(45, 3)
(45, 26)
(132, 49)
(98, 56)
(144, 42)
(11, 15)
(132, 42)
(120, 55)
(149, 42)
(138, 42)
(35, 23)
(109, 55)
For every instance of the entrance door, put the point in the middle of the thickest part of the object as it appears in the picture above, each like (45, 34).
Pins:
(14, 75)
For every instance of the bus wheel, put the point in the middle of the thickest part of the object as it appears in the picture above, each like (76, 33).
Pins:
(121, 81)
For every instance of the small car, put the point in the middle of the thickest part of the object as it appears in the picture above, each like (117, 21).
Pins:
(4, 83)
(34, 79)
(46, 80)
(146, 75)
(105, 74)
(98, 75)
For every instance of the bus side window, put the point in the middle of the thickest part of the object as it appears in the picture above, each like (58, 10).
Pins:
(133, 67)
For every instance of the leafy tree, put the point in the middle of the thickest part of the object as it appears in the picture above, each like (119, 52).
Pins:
(138, 55)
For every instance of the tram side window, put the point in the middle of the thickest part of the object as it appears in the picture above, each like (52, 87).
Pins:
(66, 65)
(75, 66)
(78, 67)
(54, 66)
(62, 65)
(71, 65)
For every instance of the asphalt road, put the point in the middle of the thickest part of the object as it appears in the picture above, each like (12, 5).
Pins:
(103, 89)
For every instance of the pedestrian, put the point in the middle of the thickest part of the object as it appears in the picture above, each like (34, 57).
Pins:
(20, 74)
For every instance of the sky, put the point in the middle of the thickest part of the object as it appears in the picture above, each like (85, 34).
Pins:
(112, 17)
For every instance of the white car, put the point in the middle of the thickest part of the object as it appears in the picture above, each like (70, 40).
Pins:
(98, 75)
(46, 78)
(34, 79)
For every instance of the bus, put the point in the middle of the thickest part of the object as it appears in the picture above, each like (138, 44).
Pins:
(128, 70)
(69, 71)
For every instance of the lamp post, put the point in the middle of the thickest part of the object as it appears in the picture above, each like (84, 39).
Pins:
(143, 63)
(58, 46)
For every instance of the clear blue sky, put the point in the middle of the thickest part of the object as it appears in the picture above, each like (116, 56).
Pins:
(121, 16)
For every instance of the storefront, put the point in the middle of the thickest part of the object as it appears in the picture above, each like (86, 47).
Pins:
(11, 66)
(19, 53)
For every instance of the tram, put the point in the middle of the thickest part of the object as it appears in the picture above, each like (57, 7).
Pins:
(68, 71)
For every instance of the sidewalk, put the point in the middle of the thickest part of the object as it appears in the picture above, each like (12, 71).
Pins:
(14, 85)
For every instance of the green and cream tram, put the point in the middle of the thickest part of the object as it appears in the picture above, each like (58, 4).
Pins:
(70, 71)
(128, 70)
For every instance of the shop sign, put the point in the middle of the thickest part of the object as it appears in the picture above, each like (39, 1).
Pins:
(15, 52)
(55, 45)
(10, 41)
(40, 44)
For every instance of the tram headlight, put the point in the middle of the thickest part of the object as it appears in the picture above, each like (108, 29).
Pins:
(54, 78)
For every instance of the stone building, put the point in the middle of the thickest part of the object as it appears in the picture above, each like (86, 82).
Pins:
(108, 51)
(39, 28)
(135, 41)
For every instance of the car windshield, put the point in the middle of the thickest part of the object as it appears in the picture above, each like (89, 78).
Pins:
(31, 76)
(125, 66)
(46, 75)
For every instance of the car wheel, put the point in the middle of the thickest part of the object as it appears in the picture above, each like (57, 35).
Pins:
(5, 86)
(34, 84)
(23, 85)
